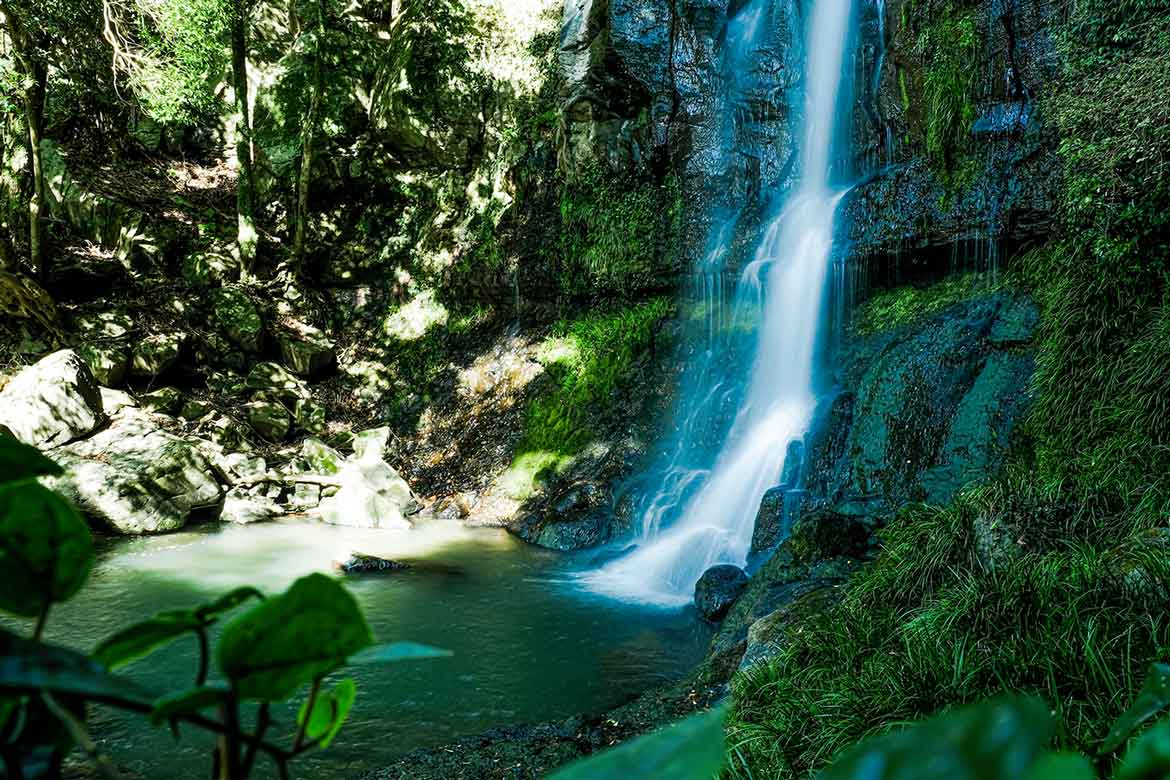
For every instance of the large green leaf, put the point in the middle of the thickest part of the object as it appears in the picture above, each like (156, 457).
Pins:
(188, 702)
(287, 641)
(397, 651)
(997, 740)
(227, 602)
(329, 713)
(1151, 699)
(19, 462)
(144, 638)
(1149, 757)
(46, 550)
(1062, 766)
(30, 667)
(692, 749)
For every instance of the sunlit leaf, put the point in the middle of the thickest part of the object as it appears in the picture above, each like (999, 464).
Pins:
(46, 551)
(1151, 699)
(285, 642)
(144, 638)
(397, 651)
(329, 713)
(187, 702)
(998, 739)
(30, 667)
(19, 461)
(692, 749)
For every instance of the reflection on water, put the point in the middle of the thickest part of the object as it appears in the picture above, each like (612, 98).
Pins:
(528, 646)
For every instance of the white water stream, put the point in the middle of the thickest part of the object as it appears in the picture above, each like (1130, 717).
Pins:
(784, 287)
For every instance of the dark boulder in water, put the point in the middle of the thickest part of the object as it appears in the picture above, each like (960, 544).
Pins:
(357, 563)
(718, 589)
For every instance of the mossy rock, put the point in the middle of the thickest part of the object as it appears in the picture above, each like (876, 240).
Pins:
(109, 362)
(305, 350)
(270, 420)
(276, 381)
(209, 269)
(165, 400)
(236, 317)
(156, 353)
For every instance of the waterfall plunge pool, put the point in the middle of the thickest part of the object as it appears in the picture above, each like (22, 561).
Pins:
(528, 645)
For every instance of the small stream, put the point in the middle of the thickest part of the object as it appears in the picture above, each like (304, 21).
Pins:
(529, 646)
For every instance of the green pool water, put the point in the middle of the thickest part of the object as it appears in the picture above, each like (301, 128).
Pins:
(528, 645)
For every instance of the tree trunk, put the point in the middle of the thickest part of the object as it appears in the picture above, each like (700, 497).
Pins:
(35, 75)
(308, 132)
(35, 116)
(247, 237)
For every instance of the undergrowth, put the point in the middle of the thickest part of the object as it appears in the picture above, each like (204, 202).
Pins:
(616, 234)
(1010, 588)
(947, 44)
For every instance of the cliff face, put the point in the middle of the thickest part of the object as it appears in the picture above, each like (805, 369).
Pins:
(948, 143)
(948, 122)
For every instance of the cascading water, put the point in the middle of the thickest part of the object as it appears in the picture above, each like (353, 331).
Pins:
(701, 517)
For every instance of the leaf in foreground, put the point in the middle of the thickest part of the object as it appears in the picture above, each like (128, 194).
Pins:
(1152, 699)
(286, 642)
(46, 550)
(1062, 766)
(329, 713)
(692, 749)
(1000, 739)
(1149, 758)
(187, 703)
(397, 651)
(19, 461)
(29, 667)
(144, 638)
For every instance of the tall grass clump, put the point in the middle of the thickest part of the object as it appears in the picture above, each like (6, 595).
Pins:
(1006, 589)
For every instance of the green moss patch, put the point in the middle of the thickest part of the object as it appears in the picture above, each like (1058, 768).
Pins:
(589, 360)
(904, 306)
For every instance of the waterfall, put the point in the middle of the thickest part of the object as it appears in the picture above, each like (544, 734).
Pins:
(700, 517)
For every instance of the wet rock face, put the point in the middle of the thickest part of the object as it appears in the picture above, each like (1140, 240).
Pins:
(576, 519)
(926, 409)
(359, 563)
(702, 85)
(1011, 167)
(718, 589)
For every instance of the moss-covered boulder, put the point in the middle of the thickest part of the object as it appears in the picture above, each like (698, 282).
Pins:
(269, 419)
(165, 400)
(109, 362)
(236, 317)
(274, 380)
(305, 350)
(134, 478)
(209, 268)
(156, 354)
(718, 589)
